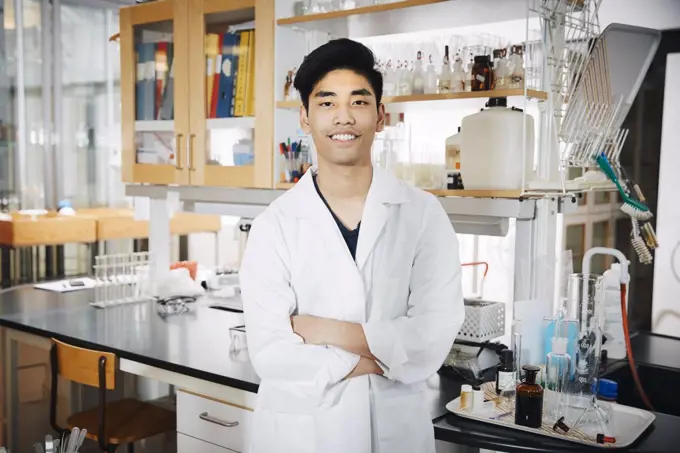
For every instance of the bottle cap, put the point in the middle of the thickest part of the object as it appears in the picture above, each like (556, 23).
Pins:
(506, 356)
(465, 388)
(559, 345)
(608, 389)
(497, 102)
(531, 372)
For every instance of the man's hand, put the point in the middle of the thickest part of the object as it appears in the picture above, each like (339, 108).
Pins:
(326, 331)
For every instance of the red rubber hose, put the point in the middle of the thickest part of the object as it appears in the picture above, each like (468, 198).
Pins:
(631, 359)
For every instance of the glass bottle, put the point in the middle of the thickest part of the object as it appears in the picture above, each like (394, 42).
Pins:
(390, 85)
(558, 371)
(505, 371)
(430, 78)
(444, 82)
(516, 67)
(458, 76)
(468, 74)
(405, 81)
(500, 70)
(529, 399)
(418, 75)
(482, 75)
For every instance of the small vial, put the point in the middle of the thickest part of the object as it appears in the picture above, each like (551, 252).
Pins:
(466, 397)
(477, 399)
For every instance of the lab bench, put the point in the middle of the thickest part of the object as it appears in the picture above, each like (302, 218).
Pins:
(218, 385)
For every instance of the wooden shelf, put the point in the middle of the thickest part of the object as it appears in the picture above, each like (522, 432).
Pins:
(534, 94)
(355, 11)
(245, 122)
(511, 194)
(155, 126)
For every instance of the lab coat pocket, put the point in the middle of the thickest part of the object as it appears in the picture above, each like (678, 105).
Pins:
(277, 432)
(404, 424)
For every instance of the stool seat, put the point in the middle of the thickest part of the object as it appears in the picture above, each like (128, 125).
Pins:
(127, 421)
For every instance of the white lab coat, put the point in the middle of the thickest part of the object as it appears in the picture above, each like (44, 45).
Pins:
(405, 290)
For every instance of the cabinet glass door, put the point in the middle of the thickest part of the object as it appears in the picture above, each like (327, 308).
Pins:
(155, 114)
(224, 149)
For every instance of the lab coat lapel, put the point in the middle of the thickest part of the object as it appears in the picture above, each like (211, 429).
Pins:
(385, 191)
(307, 204)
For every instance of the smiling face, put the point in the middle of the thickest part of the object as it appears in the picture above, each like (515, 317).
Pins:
(343, 118)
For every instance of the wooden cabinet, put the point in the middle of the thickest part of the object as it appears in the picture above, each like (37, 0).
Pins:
(171, 76)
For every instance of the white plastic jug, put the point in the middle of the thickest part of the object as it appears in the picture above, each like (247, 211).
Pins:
(492, 149)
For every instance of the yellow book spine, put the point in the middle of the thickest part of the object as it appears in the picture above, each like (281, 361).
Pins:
(250, 94)
(212, 42)
(240, 95)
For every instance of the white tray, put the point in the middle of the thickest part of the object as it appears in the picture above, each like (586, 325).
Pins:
(628, 424)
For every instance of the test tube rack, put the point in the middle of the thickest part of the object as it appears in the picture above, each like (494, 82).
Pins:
(123, 279)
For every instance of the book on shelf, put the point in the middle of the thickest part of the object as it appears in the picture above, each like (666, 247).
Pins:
(230, 74)
(154, 88)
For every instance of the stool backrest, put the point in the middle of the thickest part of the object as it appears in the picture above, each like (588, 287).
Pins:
(83, 365)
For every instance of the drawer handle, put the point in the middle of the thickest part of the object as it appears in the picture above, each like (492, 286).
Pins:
(217, 421)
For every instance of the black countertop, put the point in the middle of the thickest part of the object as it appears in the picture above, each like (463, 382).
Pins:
(197, 344)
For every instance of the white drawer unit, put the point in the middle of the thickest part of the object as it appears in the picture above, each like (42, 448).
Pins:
(188, 444)
(216, 422)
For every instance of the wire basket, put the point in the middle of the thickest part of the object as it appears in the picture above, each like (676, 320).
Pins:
(484, 321)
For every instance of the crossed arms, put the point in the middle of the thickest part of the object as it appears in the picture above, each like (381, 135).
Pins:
(342, 334)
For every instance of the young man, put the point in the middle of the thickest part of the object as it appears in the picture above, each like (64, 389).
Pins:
(351, 283)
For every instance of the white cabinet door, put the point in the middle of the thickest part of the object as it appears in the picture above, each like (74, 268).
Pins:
(188, 444)
(216, 422)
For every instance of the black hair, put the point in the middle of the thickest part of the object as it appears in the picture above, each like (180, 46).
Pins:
(337, 54)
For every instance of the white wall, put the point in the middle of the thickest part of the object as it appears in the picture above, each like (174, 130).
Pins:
(658, 14)
(665, 302)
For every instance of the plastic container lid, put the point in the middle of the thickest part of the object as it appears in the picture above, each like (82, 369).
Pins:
(608, 389)
(497, 102)
(506, 356)
(559, 345)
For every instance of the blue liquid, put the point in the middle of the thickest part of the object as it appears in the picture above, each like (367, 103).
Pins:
(572, 340)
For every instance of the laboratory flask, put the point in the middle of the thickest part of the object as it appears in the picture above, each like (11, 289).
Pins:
(585, 302)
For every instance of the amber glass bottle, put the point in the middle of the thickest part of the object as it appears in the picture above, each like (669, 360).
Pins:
(482, 73)
(529, 399)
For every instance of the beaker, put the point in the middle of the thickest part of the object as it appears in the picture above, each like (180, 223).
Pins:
(584, 303)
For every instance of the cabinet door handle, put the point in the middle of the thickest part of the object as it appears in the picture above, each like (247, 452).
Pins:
(217, 421)
(190, 152)
(178, 159)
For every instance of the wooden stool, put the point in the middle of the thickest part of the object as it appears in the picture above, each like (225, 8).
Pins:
(111, 424)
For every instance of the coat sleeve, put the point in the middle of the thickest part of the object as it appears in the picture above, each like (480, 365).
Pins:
(276, 352)
(412, 348)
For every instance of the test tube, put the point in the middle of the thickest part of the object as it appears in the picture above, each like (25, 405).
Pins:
(516, 345)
